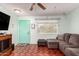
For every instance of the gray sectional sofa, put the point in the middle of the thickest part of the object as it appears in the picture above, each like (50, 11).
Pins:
(69, 44)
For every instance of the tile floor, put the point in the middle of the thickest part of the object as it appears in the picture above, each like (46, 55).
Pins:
(34, 50)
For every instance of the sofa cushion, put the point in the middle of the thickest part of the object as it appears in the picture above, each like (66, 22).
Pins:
(66, 37)
(62, 42)
(63, 46)
(72, 51)
(60, 37)
(74, 39)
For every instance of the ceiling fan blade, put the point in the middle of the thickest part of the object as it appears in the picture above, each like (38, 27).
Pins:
(41, 6)
(32, 6)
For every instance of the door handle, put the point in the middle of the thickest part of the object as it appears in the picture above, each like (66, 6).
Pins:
(28, 32)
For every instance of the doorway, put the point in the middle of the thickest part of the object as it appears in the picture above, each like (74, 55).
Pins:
(23, 31)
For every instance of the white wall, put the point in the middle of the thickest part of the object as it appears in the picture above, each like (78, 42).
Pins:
(35, 36)
(73, 19)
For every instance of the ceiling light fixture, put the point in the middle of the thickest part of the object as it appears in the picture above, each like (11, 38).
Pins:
(17, 10)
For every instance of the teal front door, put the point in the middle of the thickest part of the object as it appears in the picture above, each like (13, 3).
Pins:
(24, 31)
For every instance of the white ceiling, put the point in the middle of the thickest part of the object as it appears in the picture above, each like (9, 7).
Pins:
(61, 8)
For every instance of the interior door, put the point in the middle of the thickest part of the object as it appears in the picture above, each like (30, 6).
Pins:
(24, 31)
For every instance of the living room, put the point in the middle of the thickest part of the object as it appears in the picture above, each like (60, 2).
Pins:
(29, 27)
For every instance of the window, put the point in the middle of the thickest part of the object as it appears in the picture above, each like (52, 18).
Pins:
(47, 27)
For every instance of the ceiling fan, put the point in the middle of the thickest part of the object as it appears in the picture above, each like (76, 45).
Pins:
(39, 4)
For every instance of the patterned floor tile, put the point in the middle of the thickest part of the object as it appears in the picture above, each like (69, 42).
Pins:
(34, 50)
